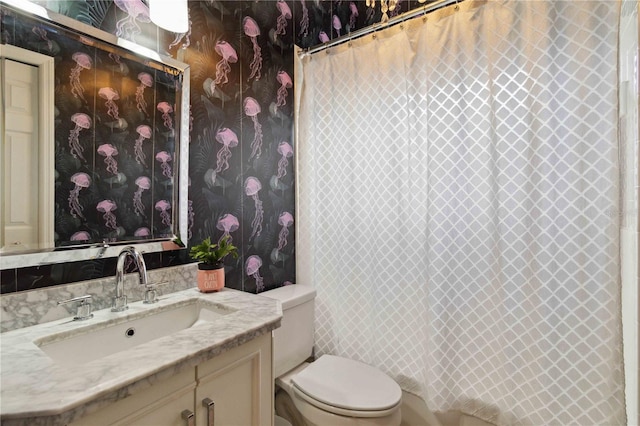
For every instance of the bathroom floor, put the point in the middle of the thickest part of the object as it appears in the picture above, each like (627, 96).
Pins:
(454, 420)
(416, 413)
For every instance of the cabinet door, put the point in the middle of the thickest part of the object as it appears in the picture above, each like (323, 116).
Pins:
(159, 405)
(163, 412)
(239, 384)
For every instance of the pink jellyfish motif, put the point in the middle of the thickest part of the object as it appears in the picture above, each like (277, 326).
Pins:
(163, 207)
(394, 7)
(229, 55)
(144, 132)
(80, 180)
(285, 83)
(281, 21)
(337, 25)
(251, 187)
(285, 220)
(304, 20)
(142, 232)
(143, 184)
(83, 62)
(252, 268)
(164, 158)
(121, 67)
(252, 31)
(81, 121)
(227, 223)
(136, 11)
(80, 236)
(145, 81)
(108, 151)
(110, 96)
(166, 109)
(286, 151)
(42, 33)
(252, 109)
(323, 37)
(184, 38)
(353, 15)
(228, 139)
(107, 207)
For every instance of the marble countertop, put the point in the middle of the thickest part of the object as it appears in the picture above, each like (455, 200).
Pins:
(36, 390)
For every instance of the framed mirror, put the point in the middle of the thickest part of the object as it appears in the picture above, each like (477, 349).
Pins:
(95, 141)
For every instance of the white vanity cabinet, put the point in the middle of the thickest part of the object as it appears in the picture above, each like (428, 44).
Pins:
(234, 388)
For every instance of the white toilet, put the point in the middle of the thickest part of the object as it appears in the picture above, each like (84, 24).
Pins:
(330, 391)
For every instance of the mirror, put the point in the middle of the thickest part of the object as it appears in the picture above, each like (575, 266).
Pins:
(95, 141)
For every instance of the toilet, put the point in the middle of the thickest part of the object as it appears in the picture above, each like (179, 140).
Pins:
(330, 391)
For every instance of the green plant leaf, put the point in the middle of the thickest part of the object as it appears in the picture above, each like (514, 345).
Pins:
(211, 254)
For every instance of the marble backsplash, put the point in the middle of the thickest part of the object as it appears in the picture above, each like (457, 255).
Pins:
(23, 309)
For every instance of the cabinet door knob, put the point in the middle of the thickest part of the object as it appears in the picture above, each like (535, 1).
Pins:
(189, 416)
(211, 411)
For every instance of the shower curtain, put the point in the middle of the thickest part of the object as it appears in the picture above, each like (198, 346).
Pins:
(457, 187)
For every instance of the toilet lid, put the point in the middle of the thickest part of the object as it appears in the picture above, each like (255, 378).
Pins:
(347, 384)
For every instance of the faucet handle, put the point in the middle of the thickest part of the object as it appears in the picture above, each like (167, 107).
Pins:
(83, 309)
(119, 304)
(150, 294)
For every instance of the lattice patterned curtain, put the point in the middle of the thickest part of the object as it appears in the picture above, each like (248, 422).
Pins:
(457, 177)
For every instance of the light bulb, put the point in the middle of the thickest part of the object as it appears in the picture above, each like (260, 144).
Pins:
(172, 15)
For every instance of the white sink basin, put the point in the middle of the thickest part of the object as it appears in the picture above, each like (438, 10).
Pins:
(139, 328)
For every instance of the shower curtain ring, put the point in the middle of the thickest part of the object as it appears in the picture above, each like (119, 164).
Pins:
(457, 6)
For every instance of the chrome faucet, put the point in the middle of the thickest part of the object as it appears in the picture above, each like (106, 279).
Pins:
(120, 300)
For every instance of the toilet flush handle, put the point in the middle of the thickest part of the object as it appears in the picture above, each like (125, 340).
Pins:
(211, 411)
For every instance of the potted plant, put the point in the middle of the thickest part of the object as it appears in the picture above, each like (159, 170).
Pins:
(211, 266)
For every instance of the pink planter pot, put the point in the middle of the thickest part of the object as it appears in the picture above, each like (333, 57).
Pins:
(210, 280)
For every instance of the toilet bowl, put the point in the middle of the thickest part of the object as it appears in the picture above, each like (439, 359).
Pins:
(279, 421)
(331, 390)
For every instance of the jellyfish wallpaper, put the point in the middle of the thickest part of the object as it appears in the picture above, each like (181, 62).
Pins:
(106, 130)
(81, 180)
(242, 62)
(143, 183)
(114, 130)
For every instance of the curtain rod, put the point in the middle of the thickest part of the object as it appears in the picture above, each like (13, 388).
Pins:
(438, 4)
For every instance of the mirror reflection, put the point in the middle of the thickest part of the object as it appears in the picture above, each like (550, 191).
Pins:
(27, 155)
(91, 132)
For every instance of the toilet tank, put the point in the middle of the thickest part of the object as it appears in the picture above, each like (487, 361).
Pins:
(293, 340)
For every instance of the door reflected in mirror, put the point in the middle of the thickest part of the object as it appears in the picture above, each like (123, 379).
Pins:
(27, 191)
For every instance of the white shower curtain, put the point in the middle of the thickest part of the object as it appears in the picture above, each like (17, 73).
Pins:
(457, 188)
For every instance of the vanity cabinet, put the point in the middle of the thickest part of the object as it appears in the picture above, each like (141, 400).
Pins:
(234, 388)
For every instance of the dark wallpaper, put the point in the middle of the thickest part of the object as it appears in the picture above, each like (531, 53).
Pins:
(114, 137)
(319, 21)
(240, 162)
(241, 130)
(114, 178)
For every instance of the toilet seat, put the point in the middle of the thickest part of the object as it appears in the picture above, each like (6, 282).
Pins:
(347, 387)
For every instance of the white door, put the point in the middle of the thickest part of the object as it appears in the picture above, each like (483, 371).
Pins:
(20, 154)
(27, 148)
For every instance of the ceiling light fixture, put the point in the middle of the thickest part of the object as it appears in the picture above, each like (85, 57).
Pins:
(172, 15)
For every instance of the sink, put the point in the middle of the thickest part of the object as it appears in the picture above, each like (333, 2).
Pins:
(136, 329)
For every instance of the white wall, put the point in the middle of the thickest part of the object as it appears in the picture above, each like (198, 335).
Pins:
(629, 214)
